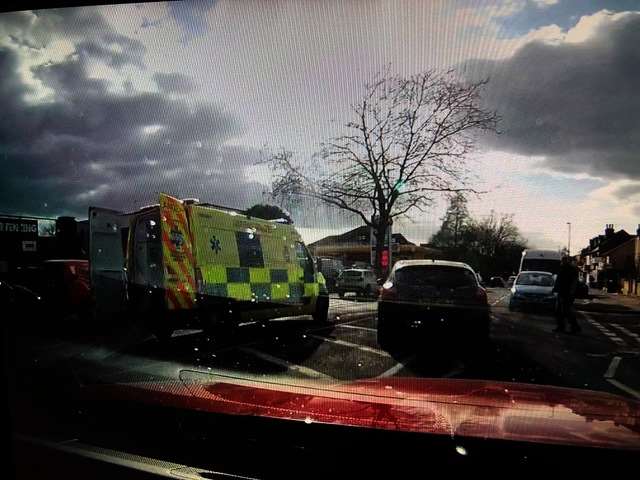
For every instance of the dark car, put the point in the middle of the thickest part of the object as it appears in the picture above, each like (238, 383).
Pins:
(497, 282)
(437, 298)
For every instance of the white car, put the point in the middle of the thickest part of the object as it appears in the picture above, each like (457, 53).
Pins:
(533, 289)
(357, 280)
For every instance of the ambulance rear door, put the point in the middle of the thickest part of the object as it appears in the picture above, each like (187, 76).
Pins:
(177, 255)
(108, 234)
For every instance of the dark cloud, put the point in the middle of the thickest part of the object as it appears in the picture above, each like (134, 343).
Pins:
(36, 29)
(575, 103)
(173, 82)
(88, 145)
(113, 49)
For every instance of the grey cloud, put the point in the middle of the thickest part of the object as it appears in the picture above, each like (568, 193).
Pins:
(628, 191)
(85, 26)
(173, 82)
(576, 104)
(37, 28)
(113, 49)
(90, 146)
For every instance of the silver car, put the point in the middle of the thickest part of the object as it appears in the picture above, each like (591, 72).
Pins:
(357, 280)
(532, 289)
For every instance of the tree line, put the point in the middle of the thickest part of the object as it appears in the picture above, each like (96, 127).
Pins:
(492, 245)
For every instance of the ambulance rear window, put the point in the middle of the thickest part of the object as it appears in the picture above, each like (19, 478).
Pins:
(249, 249)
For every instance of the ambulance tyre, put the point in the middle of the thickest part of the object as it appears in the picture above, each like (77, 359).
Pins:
(321, 315)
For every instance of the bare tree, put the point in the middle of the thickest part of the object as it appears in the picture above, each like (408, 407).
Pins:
(407, 142)
(494, 234)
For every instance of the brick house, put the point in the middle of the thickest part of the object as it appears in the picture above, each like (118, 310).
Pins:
(612, 260)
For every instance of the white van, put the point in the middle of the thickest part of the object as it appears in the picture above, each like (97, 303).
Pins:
(540, 261)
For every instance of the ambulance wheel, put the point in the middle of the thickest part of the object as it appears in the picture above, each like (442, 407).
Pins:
(321, 315)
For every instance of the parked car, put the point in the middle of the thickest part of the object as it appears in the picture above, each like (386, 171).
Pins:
(439, 298)
(532, 289)
(510, 281)
(357, 280)
(330, 268)
(497, 282)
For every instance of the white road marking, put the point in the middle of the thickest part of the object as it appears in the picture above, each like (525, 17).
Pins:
(624, 387)
(357, 327)
(613, 366)
(396, 368)
(340, 323)
(363, 348)
(309, 372)
(626, 331)
(610, 373)
(500, 299)
(604, 330)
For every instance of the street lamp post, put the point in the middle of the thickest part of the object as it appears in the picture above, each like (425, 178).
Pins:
(569, 239)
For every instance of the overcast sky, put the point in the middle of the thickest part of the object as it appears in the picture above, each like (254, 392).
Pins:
(108, 106)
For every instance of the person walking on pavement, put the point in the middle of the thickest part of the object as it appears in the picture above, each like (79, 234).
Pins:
(565, 287)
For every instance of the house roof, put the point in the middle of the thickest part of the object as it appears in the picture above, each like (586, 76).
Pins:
(618, 238)
(606, 244)
(356, 236)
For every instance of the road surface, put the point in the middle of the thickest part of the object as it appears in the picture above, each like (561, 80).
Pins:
(605, 356)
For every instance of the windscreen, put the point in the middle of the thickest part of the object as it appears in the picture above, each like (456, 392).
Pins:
(535, 279)
(540, 265)
(324, 196)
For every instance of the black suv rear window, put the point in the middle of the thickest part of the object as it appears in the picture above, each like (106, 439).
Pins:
(352, 274)
(436, 276)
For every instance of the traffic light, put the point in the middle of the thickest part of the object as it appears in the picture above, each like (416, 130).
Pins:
(384, 258)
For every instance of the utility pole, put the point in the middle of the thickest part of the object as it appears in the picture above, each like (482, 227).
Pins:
(569, 240)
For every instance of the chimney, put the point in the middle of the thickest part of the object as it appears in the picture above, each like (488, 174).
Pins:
(609, 230)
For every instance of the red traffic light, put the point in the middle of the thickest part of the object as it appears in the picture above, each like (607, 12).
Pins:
(384, 258)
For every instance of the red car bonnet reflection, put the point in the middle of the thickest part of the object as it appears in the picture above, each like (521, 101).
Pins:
(473, 408)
